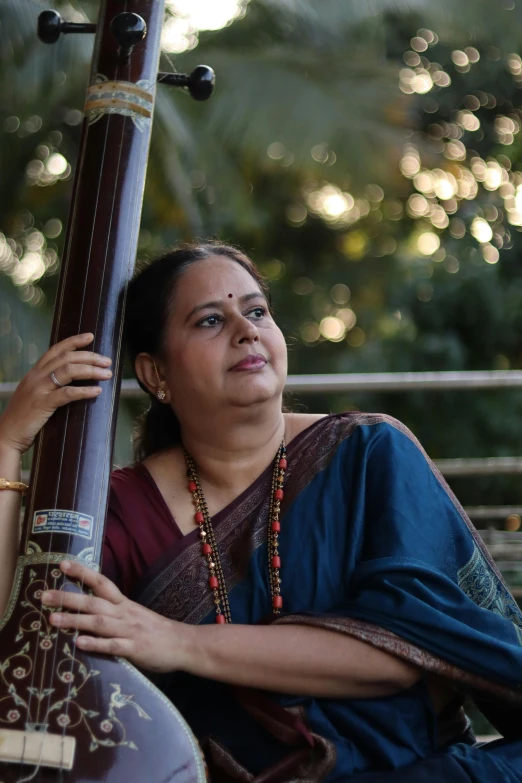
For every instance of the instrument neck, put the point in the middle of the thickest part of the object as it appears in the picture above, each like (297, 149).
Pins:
(72, 461)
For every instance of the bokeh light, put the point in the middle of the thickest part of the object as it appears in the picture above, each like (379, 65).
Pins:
(180, 31)
(481, 230)
(332, 328)
(428, 242)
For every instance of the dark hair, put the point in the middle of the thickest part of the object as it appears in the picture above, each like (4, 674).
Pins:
(147, 310)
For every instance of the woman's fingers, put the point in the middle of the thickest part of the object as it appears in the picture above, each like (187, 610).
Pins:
(72, 343)
(101, 586)
(71, 361)
(70, 371)
(121, 647)
(99, 624)
(78, 602)
(37, 396)
(86, 357)
(111, 624)
(76, 357)
(67, 394)
(94, 614)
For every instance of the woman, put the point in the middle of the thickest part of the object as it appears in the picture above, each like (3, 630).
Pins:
(317, 601)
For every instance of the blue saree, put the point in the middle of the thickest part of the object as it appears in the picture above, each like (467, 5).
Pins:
(374, 545)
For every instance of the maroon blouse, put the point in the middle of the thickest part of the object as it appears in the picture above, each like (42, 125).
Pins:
(139, 527)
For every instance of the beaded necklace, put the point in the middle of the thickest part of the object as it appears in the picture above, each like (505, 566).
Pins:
(209, 550)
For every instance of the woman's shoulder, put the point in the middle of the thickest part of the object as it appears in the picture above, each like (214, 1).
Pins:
(296, 423)
(374, 436)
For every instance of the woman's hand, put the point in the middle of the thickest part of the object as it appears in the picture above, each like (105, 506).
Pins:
(121, 627)
(37, 396)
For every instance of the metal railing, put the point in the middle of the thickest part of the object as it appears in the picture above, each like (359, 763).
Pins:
(368, 382)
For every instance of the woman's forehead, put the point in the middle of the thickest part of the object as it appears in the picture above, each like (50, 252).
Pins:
(216, 276)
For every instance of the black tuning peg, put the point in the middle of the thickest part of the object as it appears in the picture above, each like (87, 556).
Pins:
(128, 29)
(51, 26)
(200, 82)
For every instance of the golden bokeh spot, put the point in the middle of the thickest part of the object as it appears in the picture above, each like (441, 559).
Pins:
(356, 337)
(310, 332)
(274, 269)
(332, 328)
(354, 245)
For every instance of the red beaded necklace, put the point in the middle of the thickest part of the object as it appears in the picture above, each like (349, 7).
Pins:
(209, 548)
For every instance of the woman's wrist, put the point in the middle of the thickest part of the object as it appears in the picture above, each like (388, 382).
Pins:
(8, 446)
(190, 648)
(10, 457)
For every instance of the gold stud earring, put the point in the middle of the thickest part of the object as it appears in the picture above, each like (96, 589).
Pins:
(160, 394)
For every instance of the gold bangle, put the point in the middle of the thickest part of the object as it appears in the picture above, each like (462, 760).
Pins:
(18, 486)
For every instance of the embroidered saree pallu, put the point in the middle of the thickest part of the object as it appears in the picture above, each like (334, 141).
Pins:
(373, 545)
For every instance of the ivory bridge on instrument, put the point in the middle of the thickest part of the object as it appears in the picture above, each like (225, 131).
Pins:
(38, 748)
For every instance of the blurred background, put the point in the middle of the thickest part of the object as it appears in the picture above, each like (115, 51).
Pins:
(366, 154)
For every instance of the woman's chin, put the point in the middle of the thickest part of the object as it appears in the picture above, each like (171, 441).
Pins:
(255, 393)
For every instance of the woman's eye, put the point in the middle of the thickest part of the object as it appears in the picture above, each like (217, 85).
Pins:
(259, 312)
(210, 320)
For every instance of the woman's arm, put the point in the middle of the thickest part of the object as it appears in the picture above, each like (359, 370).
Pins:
(34, 401)
(288, 659)
(295, 659)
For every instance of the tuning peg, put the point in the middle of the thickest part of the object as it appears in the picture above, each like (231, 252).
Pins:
(200, 82)
(128, 29)
(51, 26)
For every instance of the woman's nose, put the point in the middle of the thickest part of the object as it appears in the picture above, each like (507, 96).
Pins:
(247, 331)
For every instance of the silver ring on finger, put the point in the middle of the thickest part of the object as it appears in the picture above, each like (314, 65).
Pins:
(55, 380)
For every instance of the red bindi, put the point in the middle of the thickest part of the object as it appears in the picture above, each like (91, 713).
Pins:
(230, 296)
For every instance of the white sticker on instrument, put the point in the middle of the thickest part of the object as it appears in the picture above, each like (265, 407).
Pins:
(57, 520)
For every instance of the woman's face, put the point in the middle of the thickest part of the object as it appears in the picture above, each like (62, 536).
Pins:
(222, 347)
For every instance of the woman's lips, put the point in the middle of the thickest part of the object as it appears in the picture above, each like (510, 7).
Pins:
(250, 363)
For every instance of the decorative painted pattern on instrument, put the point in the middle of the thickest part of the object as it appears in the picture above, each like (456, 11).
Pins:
(36, 556)
(478, 581)
(38, 706)
(114, 97)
